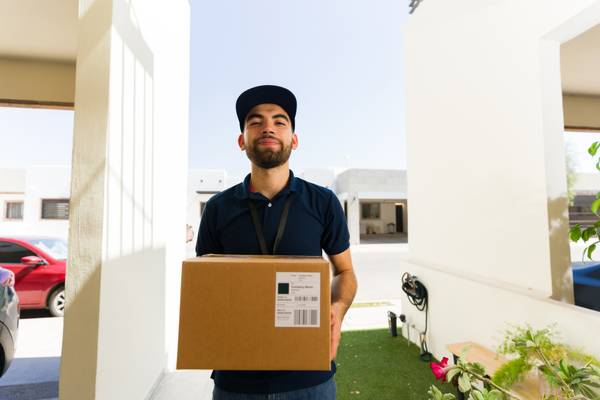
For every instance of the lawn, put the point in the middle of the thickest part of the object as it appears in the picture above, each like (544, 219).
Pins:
(372, 365)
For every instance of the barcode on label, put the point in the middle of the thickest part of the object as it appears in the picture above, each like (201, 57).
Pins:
(306, 298)
(305, 317)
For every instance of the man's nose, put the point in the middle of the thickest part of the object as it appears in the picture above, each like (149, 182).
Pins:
(268, 127)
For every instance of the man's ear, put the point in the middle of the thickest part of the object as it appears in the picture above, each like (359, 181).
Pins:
(241, 142)
(294, 141)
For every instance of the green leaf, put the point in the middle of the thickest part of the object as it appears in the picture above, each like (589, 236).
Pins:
(464, 383)
(563, 367)
(575, 233)
(434, 393)
(452, 373)
(477, 368)
(598, 165)
(448, 396)
(593, 148)
(595, 206)
(590, 250)
(585, 235)
(476, 395)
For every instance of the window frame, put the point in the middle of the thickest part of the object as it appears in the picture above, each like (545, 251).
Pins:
(60, 200)
(7, 203)
(370, 204)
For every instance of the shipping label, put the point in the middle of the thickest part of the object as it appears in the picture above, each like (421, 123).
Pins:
(297, 299)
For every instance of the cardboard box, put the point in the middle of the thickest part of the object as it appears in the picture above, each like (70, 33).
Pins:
(255, 313)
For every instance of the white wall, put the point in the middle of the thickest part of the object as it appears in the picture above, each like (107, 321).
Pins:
(325, 177)
(128, 203)
(486, 164)
(12, 180)
(466, 307)
(37, 183)
(372, 180)
(12, 188)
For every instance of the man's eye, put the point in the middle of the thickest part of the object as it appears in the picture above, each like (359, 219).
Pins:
(280, 123)
(253, 123)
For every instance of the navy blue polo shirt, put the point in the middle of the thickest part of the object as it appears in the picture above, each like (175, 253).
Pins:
(316, 222)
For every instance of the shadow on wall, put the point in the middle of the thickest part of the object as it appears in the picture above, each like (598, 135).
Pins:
(560, 255)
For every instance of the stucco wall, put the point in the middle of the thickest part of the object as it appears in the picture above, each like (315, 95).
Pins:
(486, 164)
(128, 203)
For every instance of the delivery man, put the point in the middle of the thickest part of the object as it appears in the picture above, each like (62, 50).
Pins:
(274, 212)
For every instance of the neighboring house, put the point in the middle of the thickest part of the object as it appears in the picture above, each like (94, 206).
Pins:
(374, 200)
(202, 185)
(35, 201)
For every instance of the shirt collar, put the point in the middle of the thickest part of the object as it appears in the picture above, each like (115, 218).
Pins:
(243, 189)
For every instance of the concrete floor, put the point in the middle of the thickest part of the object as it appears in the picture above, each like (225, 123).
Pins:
(33, 374)
(35, 370)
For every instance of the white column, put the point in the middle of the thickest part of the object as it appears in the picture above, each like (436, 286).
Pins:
(128, 199)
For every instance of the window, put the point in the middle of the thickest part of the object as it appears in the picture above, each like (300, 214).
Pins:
(370, 210)
(580, 212)
(55, 209)
(11, 253)
(14, 210)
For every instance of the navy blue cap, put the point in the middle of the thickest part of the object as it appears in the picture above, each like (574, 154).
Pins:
(266, 94)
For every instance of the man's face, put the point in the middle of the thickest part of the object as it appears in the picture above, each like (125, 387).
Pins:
(268, 138)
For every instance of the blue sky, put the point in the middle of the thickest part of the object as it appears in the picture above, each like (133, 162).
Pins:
(342, 59)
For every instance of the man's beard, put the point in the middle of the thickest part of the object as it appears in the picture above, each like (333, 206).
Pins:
(268, 157)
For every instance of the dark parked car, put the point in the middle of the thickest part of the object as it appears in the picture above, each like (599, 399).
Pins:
(39, 265)
(9, 319)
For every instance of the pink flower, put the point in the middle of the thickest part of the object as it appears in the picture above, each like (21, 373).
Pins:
(439, 369)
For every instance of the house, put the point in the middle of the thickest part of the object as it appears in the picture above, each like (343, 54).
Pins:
(491, 87)
(35, 201)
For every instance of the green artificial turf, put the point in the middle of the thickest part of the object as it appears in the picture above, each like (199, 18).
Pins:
(372, 364)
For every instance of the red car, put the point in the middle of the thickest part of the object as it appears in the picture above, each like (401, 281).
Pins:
(39, 265)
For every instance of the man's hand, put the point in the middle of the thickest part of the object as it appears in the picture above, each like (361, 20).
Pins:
(336, 328)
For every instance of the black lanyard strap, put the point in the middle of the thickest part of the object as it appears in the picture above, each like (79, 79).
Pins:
(280, 229)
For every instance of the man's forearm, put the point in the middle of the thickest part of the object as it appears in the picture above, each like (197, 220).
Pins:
(343, 290)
